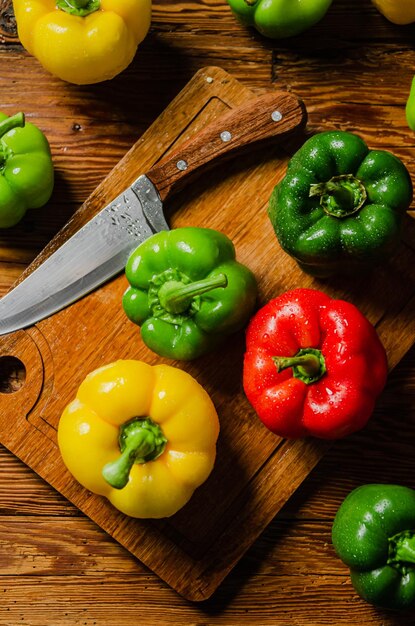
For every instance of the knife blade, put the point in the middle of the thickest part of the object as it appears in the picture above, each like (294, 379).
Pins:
(99, 250)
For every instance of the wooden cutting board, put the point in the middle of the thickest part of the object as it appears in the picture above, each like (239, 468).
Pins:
(255, 472)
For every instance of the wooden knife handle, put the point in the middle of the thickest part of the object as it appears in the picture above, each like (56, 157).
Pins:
(268, 117)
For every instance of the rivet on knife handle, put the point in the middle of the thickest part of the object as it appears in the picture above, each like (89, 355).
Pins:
(268, 117)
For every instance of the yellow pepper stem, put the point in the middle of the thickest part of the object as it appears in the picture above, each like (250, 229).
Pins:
(141, 440)
(78, 7)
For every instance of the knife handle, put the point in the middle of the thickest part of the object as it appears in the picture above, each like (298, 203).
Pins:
(267, 117)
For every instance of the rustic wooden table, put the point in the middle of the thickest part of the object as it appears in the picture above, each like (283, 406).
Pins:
(353, 70)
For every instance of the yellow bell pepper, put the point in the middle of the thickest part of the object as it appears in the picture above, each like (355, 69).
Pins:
(82, 41)
(397, 11)
(142, 436)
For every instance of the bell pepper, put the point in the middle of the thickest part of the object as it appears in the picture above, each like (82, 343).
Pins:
(410, 106)
(142, 436)
(279, 19)
(82, 41)
(397, 11)
(187, 291)
(26, 169)
(374, 534)
(313, 365)
(339, 208)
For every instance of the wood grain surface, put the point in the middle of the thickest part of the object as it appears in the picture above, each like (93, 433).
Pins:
(353, 70)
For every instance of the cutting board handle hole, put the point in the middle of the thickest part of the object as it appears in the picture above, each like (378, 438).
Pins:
(12, 374)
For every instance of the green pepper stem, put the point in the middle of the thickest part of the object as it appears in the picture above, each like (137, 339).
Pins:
(14, 121)
(402, 548)
(341, 196)
(308, 364)
(141, 440)
(176, 297)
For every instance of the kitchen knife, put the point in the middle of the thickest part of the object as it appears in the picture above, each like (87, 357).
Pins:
(99, 250)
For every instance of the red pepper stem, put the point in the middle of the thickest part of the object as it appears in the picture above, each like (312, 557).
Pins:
(308, 364)
(14, 121)
(141, 440)
(176, 297)
(402, 548)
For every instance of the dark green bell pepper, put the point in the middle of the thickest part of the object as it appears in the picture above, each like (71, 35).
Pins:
(26, 169)
(279, 19)
(340, 206)
(374, 534)
(187, 291)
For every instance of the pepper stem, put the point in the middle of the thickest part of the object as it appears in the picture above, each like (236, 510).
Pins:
(402, 548)
(308, 364)
(341, 196)
(141, 440)
(176, 297)
(14, 121)
(78, 7)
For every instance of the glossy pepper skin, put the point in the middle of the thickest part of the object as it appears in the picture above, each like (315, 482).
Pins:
(339, 208)
(187, 292)
(26, 169)
(410, 106)
(374, 534)
(397, 11)
(142, 436)
(313, 365)
(82, 41)
(278, 19)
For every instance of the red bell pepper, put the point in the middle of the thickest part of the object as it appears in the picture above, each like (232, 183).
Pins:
(313, 365)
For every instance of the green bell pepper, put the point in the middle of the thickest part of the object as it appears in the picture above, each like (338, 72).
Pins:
(187, 291)
(410, 106)
(26, 169)
(374, 534)
(339, 208)
(279, 19)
